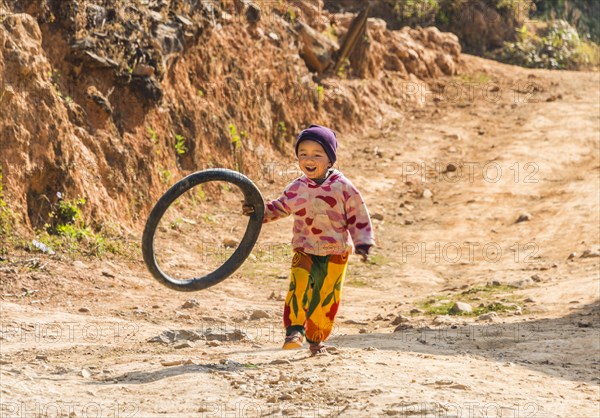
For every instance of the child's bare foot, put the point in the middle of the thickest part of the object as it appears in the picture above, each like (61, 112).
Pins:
(293, 341)
(318, 349)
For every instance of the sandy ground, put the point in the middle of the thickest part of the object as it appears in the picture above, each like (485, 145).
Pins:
(446, 183)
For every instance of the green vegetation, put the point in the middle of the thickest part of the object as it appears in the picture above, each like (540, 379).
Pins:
(581, 14)
(320, 93)
(560, 47)
(180, 147)
(164, 175)
(153, 135)
(67, 233)
(7, 217)
(478, 296)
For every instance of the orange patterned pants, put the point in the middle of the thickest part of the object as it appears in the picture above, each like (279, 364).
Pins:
(314, 294)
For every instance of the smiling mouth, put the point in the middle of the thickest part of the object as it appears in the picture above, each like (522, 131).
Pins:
(311, 169)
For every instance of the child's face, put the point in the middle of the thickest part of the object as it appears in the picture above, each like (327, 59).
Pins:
(312, 159)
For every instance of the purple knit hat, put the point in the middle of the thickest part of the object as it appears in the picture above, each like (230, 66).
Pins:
(322, 135)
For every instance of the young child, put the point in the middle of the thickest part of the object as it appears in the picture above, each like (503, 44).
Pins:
(328, 210)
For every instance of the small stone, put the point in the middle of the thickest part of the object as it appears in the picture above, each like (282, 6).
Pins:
(213, 343)
(530, 300)
(400, 320)
(286, 397)
(181, 315)
(416, 311)
(192, 303)
(377, 216)
(403, 327)
(590, 254)
(490, 316)
(521, 283)
(461, 307)
(86, 373)
(536, 278)
(84, 310)
(362, 331)
(78, 264)
(280, 361)
(572, 256)
(230, 243)
(259, 314)
(185, 344)
(171, 363)
(450, 168)
(427, 194)
(524, 217)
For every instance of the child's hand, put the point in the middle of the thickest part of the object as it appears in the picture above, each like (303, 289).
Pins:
(247, 209)
(363, 251)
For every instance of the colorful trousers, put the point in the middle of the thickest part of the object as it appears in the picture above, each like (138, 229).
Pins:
(314, 295)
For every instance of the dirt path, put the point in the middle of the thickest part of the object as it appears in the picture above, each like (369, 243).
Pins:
(442, 233)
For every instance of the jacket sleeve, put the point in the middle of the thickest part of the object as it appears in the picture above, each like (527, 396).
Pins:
(278, 208)
(357, 216)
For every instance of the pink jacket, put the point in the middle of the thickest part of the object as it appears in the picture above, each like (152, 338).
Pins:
(325, 215)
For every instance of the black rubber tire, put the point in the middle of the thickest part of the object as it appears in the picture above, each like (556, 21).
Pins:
(252, 197)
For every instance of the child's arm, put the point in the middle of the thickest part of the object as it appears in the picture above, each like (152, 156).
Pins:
(275, 209)
(359, 223)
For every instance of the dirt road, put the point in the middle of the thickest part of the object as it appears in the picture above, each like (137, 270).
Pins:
(446, 184)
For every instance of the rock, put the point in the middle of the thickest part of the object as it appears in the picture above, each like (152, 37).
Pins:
(86, 373)
(400, 320)
(362, 331)
(171, 363)
(230, 243)
(253, 13)
(172, 336)
(450, 168)
(78, 264)
(518, 311)
(416, 311)
(181, 315)
(143, 70)
(403, 327)
(189, 304)
(317, 50)
(444, 320)
(96, 61)
(524, 217)
(590, 254)
(461, 307)
(490, 316)
(521, 283)
(185, 344)
(377, 216)
(530, 300)
(226, 335)
(427, 194)
(286, 397)
(572, 256)
(536, 278)
(84, 310)
(258, 314)
(280, 361)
